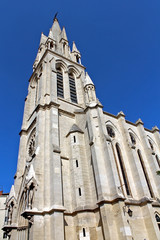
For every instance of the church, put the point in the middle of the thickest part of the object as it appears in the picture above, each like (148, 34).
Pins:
(82, 173)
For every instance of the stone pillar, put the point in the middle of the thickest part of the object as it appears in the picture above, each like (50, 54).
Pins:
(156, 134)
(56, 191)
(133, 167)
(148, 159)
(98, 157)
(53, 81)
(66, 85)
(150, 222)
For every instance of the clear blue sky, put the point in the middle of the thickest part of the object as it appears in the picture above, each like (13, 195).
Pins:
(120, 45)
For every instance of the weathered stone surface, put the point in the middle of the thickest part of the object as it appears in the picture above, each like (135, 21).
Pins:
(86, 176)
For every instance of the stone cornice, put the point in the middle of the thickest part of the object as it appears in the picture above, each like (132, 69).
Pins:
(50, 51)
(87, 208)
(25, 131)
(34, 211)
(94, 105)
(140, 202)
(68, 102)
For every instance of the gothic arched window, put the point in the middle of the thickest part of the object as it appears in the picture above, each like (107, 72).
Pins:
(133, 140)
(158, 161)
(123, 169)
(145, 173)
(60, 83)
(72, 88)
(158, 220)
(110, 131)
(151, 144)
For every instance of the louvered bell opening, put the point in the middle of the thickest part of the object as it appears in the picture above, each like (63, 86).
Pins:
(60, 84)
(72, 86)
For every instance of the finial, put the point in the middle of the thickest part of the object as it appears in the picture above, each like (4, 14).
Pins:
(55, 16)
(155, 129)
(139, 121)
(121, 114)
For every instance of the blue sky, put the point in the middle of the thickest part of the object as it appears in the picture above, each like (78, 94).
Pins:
(120, 45)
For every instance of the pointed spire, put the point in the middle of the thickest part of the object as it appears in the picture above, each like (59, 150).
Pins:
(88, 80)
(50, 34)
(56, 30)
(12, 193)
(43, 39)
(64, 35)
(74, 48)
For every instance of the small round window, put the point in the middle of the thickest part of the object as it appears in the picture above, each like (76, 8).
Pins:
(31, 145)
(110, 131)
(133, 140)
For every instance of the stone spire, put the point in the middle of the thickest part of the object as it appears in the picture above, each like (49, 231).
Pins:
(88, 80)
(89, 90)
(43, 39)
(64, 35)
(74, 48)
(50, 35)
(56, 30)
(75, 54)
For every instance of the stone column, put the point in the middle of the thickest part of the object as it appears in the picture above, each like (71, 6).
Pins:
(133, 167)
(156, 134)
(148, 159)
(57, 229)
(98, 157)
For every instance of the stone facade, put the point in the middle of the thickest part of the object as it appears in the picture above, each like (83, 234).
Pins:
(3, 198)
(82, 173)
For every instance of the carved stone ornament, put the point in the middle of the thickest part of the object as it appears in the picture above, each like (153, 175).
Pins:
(31, 145)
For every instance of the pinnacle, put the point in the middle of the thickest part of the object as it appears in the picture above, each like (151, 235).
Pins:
(56, 30)
(121, 114)
(88, 80)
(63, 34)
(74, 48)
(50, 34)
(43, 39)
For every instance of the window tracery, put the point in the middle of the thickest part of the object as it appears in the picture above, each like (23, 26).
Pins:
(158, 220)
(151, 144)
(145, 173)
(123, 170)
(132, 137)
(60, 92)
(110, 131)
(72, 86)
(31, 145)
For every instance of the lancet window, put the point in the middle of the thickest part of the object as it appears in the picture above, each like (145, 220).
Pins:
(72, 86)
(158, 220)
(110, 131)
(9, 212)
(132, 137)
(60, 92)
(145, 173)
(151, 144)
(124, 175)
(158, 161)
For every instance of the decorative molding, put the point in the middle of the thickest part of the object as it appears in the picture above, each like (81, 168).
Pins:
(56, 149)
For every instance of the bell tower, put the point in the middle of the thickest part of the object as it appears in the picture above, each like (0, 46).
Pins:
(50, 142)
(82, 173)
